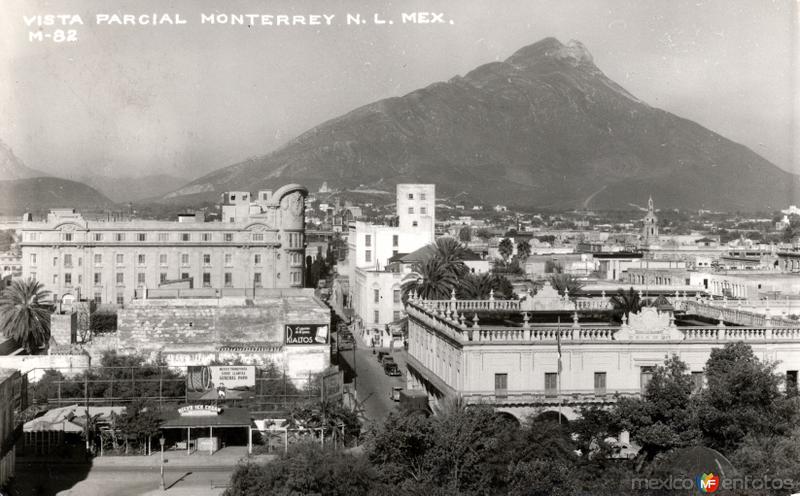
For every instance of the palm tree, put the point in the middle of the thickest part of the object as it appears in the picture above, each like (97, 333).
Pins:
(431, 279)
(626, 302)
(523, 250)
(24, 317)
(506, 248)
(451, 253)
(565, 282)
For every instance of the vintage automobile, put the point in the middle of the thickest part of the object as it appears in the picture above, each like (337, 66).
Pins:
(391, 369)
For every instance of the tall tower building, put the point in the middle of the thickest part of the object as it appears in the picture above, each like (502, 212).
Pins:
(416, 208)
(650, 227)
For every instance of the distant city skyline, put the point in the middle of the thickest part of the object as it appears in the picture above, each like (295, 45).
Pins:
(186, 100)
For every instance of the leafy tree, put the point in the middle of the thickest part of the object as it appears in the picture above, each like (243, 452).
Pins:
(777, 457)
(663, 417)
(139, 422)
(24, 315)
(305, 469)
(506, 248)
(565, 282)
(742, 398)
(626, 302)
(523, 250)
(465, 234)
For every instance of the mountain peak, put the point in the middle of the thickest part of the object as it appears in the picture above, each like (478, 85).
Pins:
(574, 53)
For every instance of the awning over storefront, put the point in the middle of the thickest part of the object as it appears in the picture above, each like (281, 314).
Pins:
(227, 417)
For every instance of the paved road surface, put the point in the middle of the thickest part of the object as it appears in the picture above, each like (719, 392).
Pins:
(373, 385)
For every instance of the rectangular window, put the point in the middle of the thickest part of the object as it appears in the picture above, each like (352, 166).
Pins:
(228, 237)
(368, 240)
(396, 296)
(376, 317)
(184, 276)
(98, 258)
(33, 236)
(80, 261)
(396, 315)
(414, 224)
(120, 259)
(257, 259)
(791, 382)
(119, 237)
(186, 237)
(422, 196)
(600, 383)
(423, 210)
(550, 384)
(120, 278)
(97, 278)
(33, 259)
(206, 279)
(98, 297)
(162, 259)
(228, 280)
(501, 386)
(376, 293)
(260, 237)
(228, 260)
(141, 237)
(162, 277)
(411, 196)
(140, 259)
(297, 259)
(296, 277)
(67, 260)
(206, 236)
(368, 256)
(67, 279)
(98, 236)
(645, 374)
(206, 259)
(55, 279)
(55, 261)
(395, 240)
(697, 381)
(411, 210)
(163, 236)
(120, 300)
(80, 279)
(67, 236)
(184, 259)
(394, 253)
(257, 279)
(140, 279)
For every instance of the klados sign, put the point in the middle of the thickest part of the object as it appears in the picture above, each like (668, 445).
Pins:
(304, 334)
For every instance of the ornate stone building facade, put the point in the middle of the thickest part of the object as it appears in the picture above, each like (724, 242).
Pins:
(260, 242)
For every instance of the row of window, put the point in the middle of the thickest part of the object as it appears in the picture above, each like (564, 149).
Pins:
(376, 293)
(368, 240)
(368, 255)
(295, 278)
(141, 259)
(551, 382)
(295, 239)
(422, 210)
(421, 196)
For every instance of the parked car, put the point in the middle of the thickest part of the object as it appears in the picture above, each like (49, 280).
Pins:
(395, 394)
(391, 369)
(381, 354)
(387, 359)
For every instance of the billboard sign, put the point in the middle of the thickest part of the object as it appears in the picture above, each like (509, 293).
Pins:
(304, 334)
(219, 382)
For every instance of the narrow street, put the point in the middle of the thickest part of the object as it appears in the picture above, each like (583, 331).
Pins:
(372, 384)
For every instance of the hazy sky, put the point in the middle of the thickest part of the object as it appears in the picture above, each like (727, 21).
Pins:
(187, 99)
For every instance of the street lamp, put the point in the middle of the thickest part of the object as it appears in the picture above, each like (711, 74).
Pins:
(161, 440)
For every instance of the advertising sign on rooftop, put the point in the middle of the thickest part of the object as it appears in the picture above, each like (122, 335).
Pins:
(304, 334)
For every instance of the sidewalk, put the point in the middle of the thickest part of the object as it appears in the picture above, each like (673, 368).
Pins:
(226, 457)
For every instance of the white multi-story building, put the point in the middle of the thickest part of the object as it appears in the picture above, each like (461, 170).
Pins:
(259, 243)
(374, 290)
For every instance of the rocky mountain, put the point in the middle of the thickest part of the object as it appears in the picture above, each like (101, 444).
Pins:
(543, 128)
(131, 189)
(12, 167)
